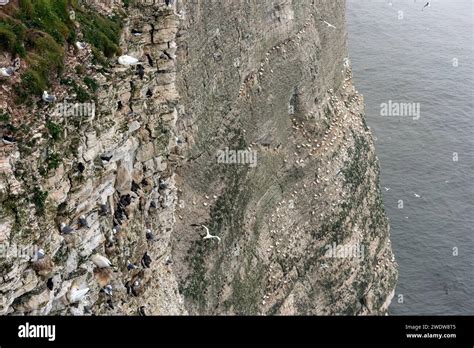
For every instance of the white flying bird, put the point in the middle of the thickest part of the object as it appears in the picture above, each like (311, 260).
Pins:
(128, 60)
(387, 188)
(416, 195)
(329, 24)
(101, 261)
(208, 235)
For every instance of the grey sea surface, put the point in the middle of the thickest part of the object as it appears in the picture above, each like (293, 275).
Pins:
(401, 54)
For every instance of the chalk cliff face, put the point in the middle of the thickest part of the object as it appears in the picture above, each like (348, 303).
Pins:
(218, 76)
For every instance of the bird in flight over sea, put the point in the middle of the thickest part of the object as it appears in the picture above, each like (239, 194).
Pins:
(428, 4)
(416, 195)
(387, 188)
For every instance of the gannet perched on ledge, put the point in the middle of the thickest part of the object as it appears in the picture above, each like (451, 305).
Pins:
(128, 60)
(101, 261)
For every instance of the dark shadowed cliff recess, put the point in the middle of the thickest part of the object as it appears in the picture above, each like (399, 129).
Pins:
(227, 170)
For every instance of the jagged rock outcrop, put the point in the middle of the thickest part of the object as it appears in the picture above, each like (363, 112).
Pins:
(272, 79)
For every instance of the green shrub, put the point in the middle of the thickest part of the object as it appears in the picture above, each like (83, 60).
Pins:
(7, 38)
(81, 94)
(32, 82)
(39, 200)
(38, 31)
(4, 116)
(50, 16)
(55, 130)
(12, 35)
(80, 70)
(101, 32)
(91, 83)
(53, 160)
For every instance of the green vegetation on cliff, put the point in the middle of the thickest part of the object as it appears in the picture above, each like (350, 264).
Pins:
(40, 30)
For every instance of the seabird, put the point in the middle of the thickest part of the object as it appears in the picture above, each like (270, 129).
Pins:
(163, 184)
(416, 195)
(208, 235)
(7, 72)
(83, 221)
(75, 294)
(131, 266)
(106, 157)
(136, 32)
(134, 287)
(149, 235)
(104, 209)
(16, 63)
(66, 229)
(8, 140)
(141, 311)
(40, 254)
(101, 261)
(81, 45)
(48, 98)
(108, 290)
(128, 60)
(387, 188)
(329, 24)
(146, 260)
(42, 263)
(428, 4)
